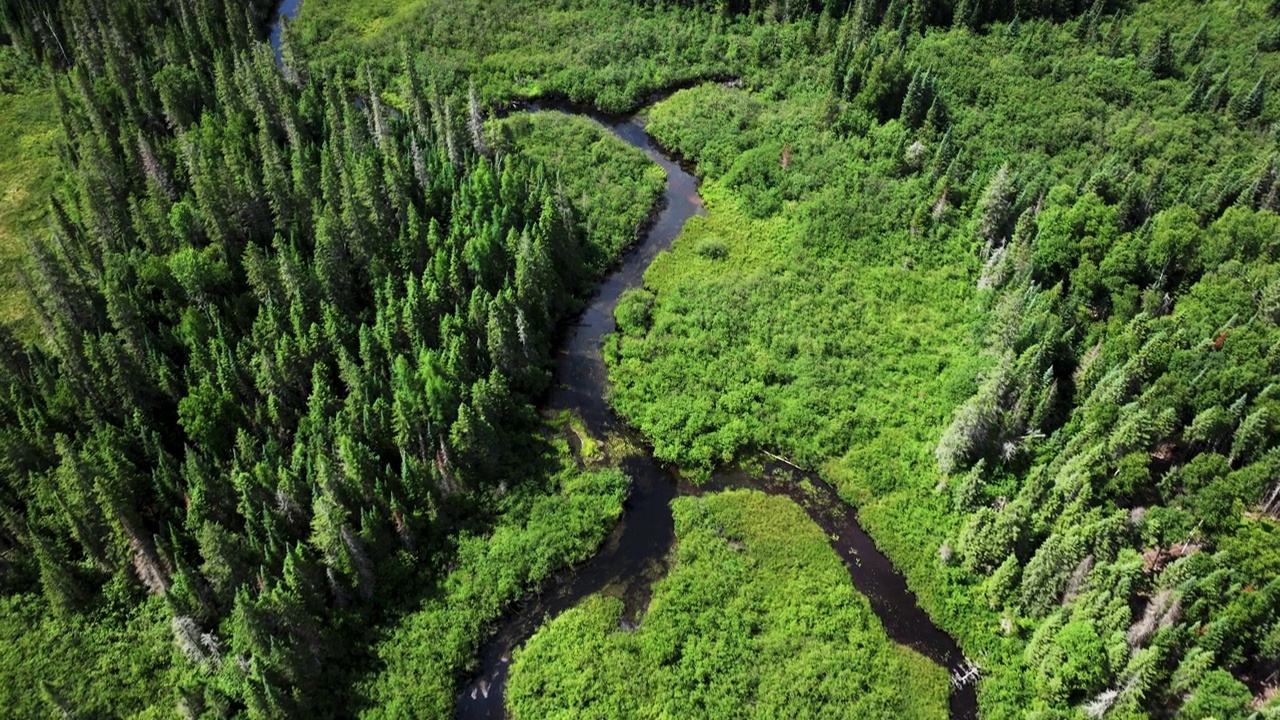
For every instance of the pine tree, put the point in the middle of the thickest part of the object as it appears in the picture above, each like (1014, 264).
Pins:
(937, 120)
(475, 121)
(1087, 28)
(1116, 32)
(1014, 28)
(1197, 96)
(1247, 106)
(995, 206)
(1133, 44)
(60, 587)
(1219, 93)
(279, 327)
(1269, 40)
(944, 155)
(917, 100)
(969, 14)
(1160, 60)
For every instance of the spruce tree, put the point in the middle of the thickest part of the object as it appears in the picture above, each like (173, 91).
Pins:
(1247, 106)
(1160, 59)
(915, 104)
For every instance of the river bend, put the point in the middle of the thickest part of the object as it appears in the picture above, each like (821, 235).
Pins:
(635, 553)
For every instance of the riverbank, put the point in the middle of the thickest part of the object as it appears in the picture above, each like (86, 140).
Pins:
(642, 544)
(756, 618)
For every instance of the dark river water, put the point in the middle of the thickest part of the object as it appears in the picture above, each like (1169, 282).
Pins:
(288, 9)
(636, 552)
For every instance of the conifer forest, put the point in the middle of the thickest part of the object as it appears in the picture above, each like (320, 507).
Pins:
(655, 359)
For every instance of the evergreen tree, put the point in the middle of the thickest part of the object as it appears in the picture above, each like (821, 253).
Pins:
(279, 327)
(1248, 105)
(1160, 59)
(918, 100)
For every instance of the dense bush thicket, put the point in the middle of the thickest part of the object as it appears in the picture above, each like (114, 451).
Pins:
(422, 656)
(611, 55)
(1017, 285)
(621, 53)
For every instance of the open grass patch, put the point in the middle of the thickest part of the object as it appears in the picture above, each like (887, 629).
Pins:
(29, 133)
(756, 619)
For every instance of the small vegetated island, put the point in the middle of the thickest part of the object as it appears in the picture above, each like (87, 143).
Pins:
(756, 618)
(279, 324)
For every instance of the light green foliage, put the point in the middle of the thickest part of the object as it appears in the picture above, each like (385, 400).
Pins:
(712, 124)
(1074, 665)
(29, 134)
(634, 312)
(1218, 696)
(1000, 585)
(760, 377)
(103, 666)
(988, 538)
(425, 651)
(1046, 574)
(610, 55)
(1113, 182)
(756, 618)
(305, 323)
(1254, 549)
(612, 186)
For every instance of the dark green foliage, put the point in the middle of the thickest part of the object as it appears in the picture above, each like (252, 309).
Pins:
(1249, 104)
(1196, 46)
(882, 91)
(1014, 28)
(291, 342)
(1269, 41)
(922, 95)
(1160, 59)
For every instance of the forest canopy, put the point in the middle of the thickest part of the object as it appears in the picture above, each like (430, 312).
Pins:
(1008, 290)
(1003, 273)
(290, 344)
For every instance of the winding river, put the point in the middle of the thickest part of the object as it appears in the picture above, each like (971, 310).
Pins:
(636, 552)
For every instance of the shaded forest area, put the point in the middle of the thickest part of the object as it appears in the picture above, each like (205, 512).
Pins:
(290, 338)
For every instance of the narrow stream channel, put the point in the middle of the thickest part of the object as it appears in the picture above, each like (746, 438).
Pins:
(636, 552)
